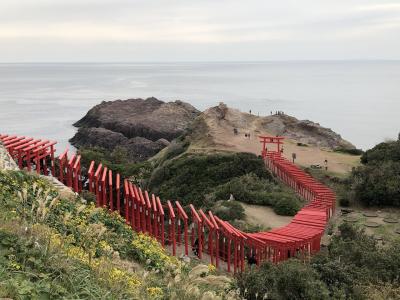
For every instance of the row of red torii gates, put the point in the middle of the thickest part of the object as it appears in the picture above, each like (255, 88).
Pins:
(179, 227)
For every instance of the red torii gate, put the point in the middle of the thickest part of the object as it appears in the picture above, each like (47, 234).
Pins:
(31, 151)
(277, 140)
(146, 214)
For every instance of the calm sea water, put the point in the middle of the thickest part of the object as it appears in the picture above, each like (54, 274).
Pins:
(360, 100)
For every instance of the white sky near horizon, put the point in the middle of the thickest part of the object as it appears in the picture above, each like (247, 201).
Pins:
(203, 30)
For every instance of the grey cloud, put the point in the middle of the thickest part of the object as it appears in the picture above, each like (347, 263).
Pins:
(129, 30)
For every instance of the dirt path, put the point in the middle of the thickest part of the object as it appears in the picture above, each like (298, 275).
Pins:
(265, 216)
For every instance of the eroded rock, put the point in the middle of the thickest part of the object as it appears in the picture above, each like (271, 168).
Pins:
(142, 127)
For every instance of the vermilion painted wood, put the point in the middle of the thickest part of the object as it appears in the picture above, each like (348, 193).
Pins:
(154, 216)
(117, 190)
(148, 210)
(62, 159)
(126, 200)
(172, 227)
(110, 188)
(133, 202)
(182, 214)
(161, 213)
(90, 176)
(137, 207)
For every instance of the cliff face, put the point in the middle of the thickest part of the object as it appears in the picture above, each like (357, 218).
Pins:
(142, 126)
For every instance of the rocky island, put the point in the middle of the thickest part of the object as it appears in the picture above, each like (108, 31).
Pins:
(141, 126)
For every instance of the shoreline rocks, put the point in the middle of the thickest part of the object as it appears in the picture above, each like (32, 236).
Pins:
(142, 126)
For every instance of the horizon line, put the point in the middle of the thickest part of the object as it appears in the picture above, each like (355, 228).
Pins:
(203, 61)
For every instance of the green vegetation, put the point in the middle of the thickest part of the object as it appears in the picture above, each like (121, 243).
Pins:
(349, 151)
(56, 248)
(252, 189)
(377, 181)
(353, 266)
(175, 148)
(203, 179)
(118, 161)
(191, 176)
(228, 210)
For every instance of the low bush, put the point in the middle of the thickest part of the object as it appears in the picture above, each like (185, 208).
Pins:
(388, 151)
(286, 205)
(378, 184)
(248, 188)
(352, 151)
(228, 210)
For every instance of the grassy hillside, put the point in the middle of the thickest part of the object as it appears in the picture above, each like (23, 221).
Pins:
(56, 248)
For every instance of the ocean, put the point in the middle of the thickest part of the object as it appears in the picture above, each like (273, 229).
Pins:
(358, 99)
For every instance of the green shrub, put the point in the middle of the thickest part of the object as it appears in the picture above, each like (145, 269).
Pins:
(377, 181)
(228, 210)
(353, 151)
(248, 188)
(378, 184)
(389, 151)
(286, 205)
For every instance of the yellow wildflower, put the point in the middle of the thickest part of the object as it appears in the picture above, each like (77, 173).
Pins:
(155, 292)
(211, 268)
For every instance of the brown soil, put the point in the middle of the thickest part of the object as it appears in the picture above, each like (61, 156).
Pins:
(265, 216)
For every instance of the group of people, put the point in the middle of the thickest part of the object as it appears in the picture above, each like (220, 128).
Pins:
(278, 112)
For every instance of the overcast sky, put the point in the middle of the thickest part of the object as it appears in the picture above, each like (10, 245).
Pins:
(202, 30)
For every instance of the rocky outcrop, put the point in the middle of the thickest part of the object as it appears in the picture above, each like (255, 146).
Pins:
(222, 121)
(304, 131)
(142, 127)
